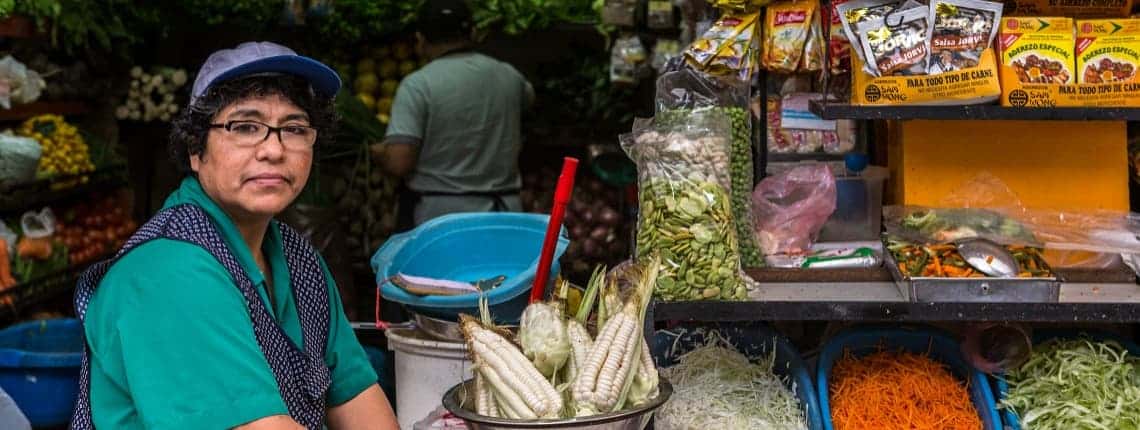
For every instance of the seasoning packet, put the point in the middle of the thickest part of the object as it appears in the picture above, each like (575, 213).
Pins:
(727, 48)
(813, 48)
(1038, 50)
(854, 13)
(960, 31)
(1108, 50)
(786, 29)
(839, 44)
(897, 45)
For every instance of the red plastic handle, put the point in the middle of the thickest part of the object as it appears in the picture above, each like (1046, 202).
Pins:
(561, 198)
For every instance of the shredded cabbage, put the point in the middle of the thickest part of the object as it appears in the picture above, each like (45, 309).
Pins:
(1076, 385)
(717, 387)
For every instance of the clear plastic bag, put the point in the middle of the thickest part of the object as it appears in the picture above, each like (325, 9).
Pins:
(683, 92)
(791, 208)
(24, 85)
(685, 215)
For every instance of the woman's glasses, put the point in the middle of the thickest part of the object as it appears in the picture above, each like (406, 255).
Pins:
(247, 133)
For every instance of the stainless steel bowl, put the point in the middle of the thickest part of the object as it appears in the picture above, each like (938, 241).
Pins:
(439, 329)
(632, 419)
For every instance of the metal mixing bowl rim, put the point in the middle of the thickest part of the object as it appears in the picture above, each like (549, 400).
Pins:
(665, 390)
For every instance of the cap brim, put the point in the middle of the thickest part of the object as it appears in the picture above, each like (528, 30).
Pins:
(324, 80)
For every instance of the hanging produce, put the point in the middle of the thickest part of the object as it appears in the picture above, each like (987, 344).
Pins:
(152, 94)
(717, 387)
(890, 389)
(378, 75)
(64, 150)
(1076, 384)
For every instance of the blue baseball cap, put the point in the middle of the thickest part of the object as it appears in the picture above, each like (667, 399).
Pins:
(252, 58)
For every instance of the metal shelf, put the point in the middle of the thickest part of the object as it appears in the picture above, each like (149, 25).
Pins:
(881, 301)
(834, 110)
(20, 197)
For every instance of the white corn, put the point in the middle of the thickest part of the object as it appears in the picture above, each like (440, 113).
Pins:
(645, 382)
(580, 345)
(511, 375)
(484, 400)
(598, 387)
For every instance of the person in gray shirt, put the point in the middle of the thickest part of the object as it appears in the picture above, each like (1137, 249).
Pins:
(454, 132)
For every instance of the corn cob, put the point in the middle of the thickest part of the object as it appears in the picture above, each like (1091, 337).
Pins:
(580, 345)
(484, 399)
(606, 377)
(519, 389)
(646, 381)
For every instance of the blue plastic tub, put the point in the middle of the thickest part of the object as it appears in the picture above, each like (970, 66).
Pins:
(39, 368)
(1002, 387)
(753, 340)
(939, 346)
(468, 247)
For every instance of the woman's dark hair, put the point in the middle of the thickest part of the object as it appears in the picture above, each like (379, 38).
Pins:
(192, 125)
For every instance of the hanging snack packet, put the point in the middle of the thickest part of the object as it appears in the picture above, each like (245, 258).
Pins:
(897, 45)
(853, 13)
(786, 29)
(840, 46)
(960, 31)
(727, 47)
(813, 48)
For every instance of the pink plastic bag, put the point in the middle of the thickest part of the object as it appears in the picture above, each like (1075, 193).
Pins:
(790, 208)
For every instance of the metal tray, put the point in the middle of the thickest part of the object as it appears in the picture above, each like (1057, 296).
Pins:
(961, 290)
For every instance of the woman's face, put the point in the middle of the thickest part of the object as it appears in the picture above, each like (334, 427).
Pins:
(259, 181)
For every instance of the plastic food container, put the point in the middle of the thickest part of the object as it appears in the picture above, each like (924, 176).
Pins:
(468, 247)
(753, 340)
(858, 207)
(940, 347)
(39, 368)
(1002, 387)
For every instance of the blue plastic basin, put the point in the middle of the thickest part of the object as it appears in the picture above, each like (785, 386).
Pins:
(1011, 421)
(752, 340)
(468, 247)
(937, 345)
(39, 368)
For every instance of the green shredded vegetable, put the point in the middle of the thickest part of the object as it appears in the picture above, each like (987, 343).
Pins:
(716, 387)
(1076, 385)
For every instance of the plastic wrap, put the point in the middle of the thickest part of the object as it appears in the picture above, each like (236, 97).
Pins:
(23, 85)
(684, 92)
(791, 208)
(985, 207)
(19, 157)
(685, 215)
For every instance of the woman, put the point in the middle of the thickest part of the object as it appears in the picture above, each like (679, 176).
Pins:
(214, 315)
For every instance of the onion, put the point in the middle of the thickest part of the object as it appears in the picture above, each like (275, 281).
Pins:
(569, 218)
(599, 233)
(579, 231)
(590, 248)
(610, 217)
(588, 216)
(574, 249)
(595, 186)
(578, 205)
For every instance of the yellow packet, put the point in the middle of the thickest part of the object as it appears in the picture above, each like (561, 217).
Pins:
(1108, 51)
(813, 49)
(727, 47)
(786, 29)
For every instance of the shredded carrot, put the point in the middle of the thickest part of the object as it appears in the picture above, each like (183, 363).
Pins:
(937, 265)
(898, 390)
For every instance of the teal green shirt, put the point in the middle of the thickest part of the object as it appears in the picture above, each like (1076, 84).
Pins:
(172, 342)
(465, 109)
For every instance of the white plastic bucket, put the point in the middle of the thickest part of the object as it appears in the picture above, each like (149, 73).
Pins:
(425, 369)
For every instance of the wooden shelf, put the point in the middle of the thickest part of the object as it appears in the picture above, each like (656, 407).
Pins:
(25, 111)
(972, 113)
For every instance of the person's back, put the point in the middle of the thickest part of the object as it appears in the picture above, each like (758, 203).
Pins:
(454, 131)
(471, 134)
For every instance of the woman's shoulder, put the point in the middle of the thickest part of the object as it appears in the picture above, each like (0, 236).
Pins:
(169, 265)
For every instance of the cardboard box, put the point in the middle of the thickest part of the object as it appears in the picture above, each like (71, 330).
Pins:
(1047, 39)
(1069, 8)
(1037, 50)
(1108, 51)
(967, 86)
